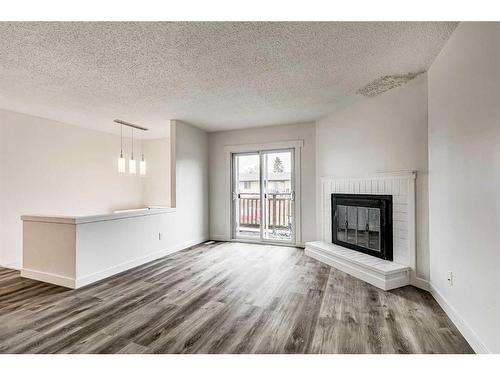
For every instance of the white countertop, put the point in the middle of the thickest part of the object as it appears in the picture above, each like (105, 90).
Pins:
(122, 214)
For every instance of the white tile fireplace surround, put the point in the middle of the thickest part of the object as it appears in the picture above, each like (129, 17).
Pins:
(381, 273)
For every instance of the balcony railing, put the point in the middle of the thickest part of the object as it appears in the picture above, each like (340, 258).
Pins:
(279, 212)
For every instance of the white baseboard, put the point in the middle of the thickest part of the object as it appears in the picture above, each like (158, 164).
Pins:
(69, 282)
(421, 284)
(218, 237)
(12, 265)
(47, 277)
(471, 337)
(89, 279)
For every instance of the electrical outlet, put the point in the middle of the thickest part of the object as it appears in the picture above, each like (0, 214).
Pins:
(450, 278)
(159, 236)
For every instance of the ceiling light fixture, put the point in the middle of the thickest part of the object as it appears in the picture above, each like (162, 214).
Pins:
(132, 166)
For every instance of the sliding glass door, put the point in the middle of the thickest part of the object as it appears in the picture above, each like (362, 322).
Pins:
(263, 196)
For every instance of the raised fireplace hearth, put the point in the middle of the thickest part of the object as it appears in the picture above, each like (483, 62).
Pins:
(363, 222)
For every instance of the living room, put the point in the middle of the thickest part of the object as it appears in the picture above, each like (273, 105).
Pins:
(249, 187)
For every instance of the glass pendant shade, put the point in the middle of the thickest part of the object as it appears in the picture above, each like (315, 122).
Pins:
(121, 164)
(142, 167)
(131, 166)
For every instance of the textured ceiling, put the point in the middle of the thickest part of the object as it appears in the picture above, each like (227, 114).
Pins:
(215, 75)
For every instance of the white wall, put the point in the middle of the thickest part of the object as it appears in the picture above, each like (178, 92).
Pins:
(47, 167)
(386, 133)
(191, 183)
(156, 183)
(464, 184)
(219, 200)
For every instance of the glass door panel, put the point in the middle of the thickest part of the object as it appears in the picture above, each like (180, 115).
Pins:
(342, 223)
(278, 195)
(363, 231)
(374, 228)
(351, 224)
(246, 196)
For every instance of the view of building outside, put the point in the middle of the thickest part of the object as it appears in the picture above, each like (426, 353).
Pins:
(278, 176)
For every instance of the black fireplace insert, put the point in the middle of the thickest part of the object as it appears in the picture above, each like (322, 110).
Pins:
(363, 222)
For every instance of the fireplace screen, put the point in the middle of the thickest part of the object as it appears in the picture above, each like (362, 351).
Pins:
(363, 223)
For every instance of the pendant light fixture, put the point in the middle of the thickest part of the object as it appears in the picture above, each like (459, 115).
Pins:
(142, 163)
(121, 159)
(131, 164)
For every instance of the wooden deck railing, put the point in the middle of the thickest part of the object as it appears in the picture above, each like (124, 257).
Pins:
(279, 214)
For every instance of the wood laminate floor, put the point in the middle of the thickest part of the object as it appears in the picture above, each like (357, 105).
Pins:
(223, 298)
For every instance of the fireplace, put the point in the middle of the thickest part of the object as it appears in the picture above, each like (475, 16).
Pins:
(363, 222)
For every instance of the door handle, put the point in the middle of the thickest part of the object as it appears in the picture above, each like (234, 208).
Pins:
(292, 196)
(235, 196)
